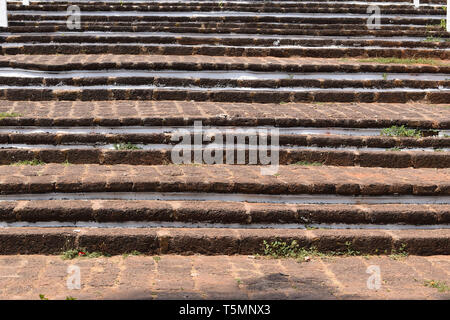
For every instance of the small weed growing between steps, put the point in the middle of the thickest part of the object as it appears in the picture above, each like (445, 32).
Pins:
(157, 259)
(70, 298)
(126, 146)
(385, 76)
(9, 115)
(82, 253)
(394, 149)
(433, 39)
(34, 162)
(400, 253)
(440, 285)
(279, 249)
(401, 131)
(307, 163)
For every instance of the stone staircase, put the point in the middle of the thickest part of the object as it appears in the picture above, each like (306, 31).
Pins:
(88, 118)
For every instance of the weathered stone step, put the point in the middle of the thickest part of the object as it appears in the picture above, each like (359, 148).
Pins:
(226, 6)
(172, 113)
(223, 29)
(235, 27)
(243, 17)
(218, 80)
(232, 51)
(225, 214)
(286, 7)
(187, 39)
(74, 154)
(260, 95)
(219, 241)
(243, 179)
(167, 136)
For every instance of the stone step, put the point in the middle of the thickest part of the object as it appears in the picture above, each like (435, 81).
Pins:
(172, 113)
(224, 214)
(256, 28)
(232, 51)
(137, 39)
(240, 179)
(152, 92)
(327, 156)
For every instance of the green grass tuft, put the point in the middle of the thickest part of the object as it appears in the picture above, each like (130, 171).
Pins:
(132, 253)
(34, 162)
(82, 253)
(401, 131)
(9, 115)
(400, 253)
(405, 61)
(126, 146)
(279, 249)
(307, 163)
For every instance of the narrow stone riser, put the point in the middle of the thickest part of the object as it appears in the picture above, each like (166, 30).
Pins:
(227, 27)
(225, 51)
(399, 96)
(206, 83)
(218, 242)
(350, 68)
(189, 40)
(233, 117)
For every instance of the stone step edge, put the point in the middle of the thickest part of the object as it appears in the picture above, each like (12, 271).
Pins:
(219, 120)
(351, 67)
(223, 179)
(219, 241)
(427, 139)
(173, 113)
(386, 159)
(220, 212)
(231, 51)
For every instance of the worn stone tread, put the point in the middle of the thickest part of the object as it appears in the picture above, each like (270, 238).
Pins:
(173, 113)
(199, 62)
(220, 212)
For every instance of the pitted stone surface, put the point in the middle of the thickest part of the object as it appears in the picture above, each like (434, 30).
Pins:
(222, 277)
